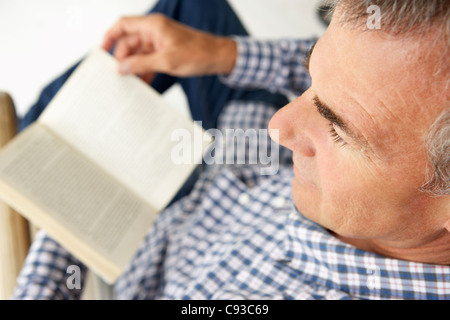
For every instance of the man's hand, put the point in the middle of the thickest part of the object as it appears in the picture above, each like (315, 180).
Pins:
(156, 44)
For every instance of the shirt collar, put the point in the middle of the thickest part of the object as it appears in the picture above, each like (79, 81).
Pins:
(321, 258)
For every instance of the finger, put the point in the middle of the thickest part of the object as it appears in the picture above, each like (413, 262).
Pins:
(148, 77)
(123, 27)
(139, 64)
(127, 46)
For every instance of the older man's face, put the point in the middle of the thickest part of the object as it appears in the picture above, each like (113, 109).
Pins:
(357, 136)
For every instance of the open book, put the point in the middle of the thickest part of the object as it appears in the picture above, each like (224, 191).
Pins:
(96, 168)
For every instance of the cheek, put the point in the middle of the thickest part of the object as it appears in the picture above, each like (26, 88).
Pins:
(350, 192)
(359, 200)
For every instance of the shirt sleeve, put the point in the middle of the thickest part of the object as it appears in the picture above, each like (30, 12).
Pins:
(277, 66)
(49, 272)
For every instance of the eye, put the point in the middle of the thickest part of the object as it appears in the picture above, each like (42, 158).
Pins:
(335, 136)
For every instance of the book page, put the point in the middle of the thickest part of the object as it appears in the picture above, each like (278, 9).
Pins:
(123, 125)
(76, 199)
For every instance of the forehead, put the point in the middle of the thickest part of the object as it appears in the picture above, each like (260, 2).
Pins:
(382, 83)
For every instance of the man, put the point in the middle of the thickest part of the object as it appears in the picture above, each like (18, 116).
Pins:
(369, 184)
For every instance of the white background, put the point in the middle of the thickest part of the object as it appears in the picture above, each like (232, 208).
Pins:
(39, 39)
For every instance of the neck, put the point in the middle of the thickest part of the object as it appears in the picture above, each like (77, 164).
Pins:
(436, 251)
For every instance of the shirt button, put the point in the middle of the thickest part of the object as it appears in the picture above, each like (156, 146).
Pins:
(244, 199)
(278, 202)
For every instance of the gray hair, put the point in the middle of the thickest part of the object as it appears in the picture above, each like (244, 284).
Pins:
(399, 16)
(403, 17)
(438, 145)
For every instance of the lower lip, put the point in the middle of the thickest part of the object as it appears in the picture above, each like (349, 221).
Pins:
(302, 178)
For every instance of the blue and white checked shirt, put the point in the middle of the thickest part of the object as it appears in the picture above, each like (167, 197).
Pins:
(238, 235)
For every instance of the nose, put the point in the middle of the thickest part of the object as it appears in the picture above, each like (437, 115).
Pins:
(289, 128)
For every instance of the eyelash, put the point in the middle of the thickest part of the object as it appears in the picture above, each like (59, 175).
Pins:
(335, 136)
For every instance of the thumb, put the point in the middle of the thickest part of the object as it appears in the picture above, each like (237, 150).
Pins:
(138, 64)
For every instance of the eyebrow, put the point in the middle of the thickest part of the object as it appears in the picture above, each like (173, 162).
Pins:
(326, 112)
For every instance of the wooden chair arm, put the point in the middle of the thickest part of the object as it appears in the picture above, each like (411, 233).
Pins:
(14, 229)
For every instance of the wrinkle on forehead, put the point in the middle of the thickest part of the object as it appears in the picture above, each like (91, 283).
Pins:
(378, 82)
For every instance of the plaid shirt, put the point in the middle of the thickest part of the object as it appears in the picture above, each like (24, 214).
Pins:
(238, 235)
